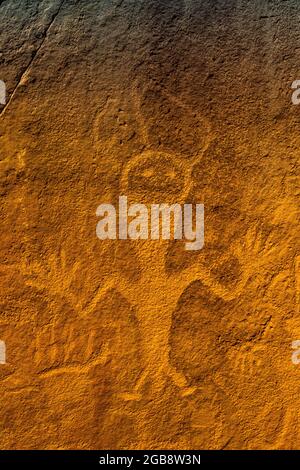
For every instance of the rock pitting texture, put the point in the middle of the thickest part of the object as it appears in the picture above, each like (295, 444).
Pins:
(127, 345)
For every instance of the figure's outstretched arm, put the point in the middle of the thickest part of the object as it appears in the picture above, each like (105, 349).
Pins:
(199, 272)
(119, 284)
(252, 253)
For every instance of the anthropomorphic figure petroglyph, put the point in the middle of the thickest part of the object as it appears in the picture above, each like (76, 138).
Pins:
(147, 177)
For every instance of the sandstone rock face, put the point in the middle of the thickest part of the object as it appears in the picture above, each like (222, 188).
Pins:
(123, 344)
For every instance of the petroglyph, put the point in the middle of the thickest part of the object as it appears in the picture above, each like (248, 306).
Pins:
(143, 345)
(2, 352)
